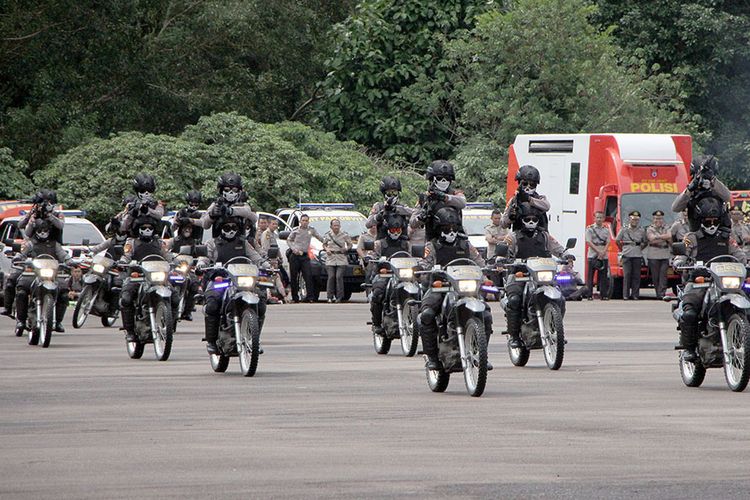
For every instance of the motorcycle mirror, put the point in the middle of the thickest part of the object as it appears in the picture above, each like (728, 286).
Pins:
(369, 245)
(571, 243)
(273, 252)
(86, 242)
(417, 251)
(679, 248)
(501, 250)
(284, 235)
(186, 250)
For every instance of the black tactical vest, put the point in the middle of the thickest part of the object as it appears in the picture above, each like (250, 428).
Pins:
(227, 250)
(531, 245)
(711, 246)
(388, 247)
(179, 242)
(142, 249)
(48, 247)
(447, 253)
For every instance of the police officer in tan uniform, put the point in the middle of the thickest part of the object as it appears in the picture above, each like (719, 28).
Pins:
(658, 252)
(740, 230)
(631, 240)
(597, 238)
(494, 232)
(336, 244)
(680, 227)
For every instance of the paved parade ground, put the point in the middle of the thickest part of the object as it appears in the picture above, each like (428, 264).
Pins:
(327, 417)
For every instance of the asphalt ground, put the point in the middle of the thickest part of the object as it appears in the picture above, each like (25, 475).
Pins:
(327, 417)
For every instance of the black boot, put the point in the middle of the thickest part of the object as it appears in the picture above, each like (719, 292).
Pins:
(8, 298)
(430, 348)
(212, 334)
(514, 330)
(60, 308)
(128, 323)
(688, 339)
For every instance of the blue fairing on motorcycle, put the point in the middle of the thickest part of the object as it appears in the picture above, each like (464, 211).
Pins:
(563, 277)
(221, 285)
(490, 289)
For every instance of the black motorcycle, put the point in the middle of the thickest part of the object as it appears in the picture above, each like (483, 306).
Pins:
(98, 296)
(42, 297)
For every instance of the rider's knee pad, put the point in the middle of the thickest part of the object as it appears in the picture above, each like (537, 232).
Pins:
(689, 315)
(427, 317)
(515, 302)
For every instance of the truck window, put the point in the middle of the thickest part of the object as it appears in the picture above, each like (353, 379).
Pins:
(610, 211)
(551, 146)
(575, 177)
(647, 204)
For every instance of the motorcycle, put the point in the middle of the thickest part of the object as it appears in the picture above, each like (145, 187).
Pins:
(403, 292)
(462, 340)
(42, 297)
(98, 285)
(181, 278)
(725, 330)
(153, 308)
(239, 328)
(543, 308)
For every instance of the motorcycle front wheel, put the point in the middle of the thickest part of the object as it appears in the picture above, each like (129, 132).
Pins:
(48, 320)
(219, 362)
(555, 332)
(737, 367)
(381, 343)
(164, 330)
(135, 349)
(109, 320)
(519, 356)
(692, 373)
(85, 303)
(248, 347)
(475, 347)
(437, 380)
(409, 335)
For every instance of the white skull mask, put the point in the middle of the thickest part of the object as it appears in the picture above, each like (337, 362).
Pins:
(231, 196)
(146, 232)
(450, 236)
(442, 184)
(229, 234)
(711, 229)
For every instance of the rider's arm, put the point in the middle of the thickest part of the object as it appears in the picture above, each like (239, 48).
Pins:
(736, 251)
(505, 220)
(554, 246)
(428, 260)
(474, 255)
(56, 219)
(105, 245)
(372, 218)
(681, 202)
(245, 212)
(206, 221)
(253, 255)
(539, 201)
(127, 251)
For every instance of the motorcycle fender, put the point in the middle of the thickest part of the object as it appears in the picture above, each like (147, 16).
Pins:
(737, 300)
(162, 291)
(247, 297)
(411, 288)
(472, 304)
(550, 291)
(90, 279)
(49, 285)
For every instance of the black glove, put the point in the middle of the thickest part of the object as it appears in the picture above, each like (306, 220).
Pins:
(380, 217)
(228, 211)
(144, 208)
(694, 184)
(522, 196)
(216, 211)
(513, 212)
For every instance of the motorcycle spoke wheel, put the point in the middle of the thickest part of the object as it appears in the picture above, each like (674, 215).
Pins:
(475, 373)
(135, 349)
(381, 344)
(164, 331)
(555, 332)
(519, 356)
(410, 337)
(737, 361)
(83, 307)
(48, 321)
(437, 380)
(692, 373)
(248, 347)
(219, 362)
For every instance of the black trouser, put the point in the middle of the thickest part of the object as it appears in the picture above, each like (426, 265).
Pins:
(432, 304)
(513, 311)
(23, 288)
(297, 264)
(377, 301)
(601, 268)
(127, 304)
(335, 284)
(658, 269)
(692, 303)
(193, 287)
(631, 282)
(212, 310)
(10, 289)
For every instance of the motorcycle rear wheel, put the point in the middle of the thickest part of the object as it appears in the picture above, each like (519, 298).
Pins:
(249, 346)
(83, 306)
(48, 320)
(553, 324)
(737, 371)
(164, 330)
(475, 373)
(410, 337)
(692, 373)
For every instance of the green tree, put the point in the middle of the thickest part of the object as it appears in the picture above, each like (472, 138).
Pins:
(73, 70)
(15, 184)
(380, 51)
(705, 45)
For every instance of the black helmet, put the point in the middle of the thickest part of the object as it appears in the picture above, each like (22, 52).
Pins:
(194, 197)
(389, 183)
(230, 179)
(440, 168)
(709, 208)
(143, 183)
(530, 217)
(447, 216)
(141, 222)
(709, 165)
(46, 195)
(230, 224)
(394, 220)
(528, 173)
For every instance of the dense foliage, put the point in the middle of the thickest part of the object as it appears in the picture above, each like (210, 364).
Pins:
(14, 183)
(281, 164)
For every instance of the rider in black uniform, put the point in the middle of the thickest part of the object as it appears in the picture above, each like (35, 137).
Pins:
(395, 241)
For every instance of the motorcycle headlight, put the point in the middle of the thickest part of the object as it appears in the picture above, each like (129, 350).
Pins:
(246, 282)
(47, 273)
(545, 276)
(467, 286)
(183, 268)
(731, 282)
(406, 274)
(157, 277)
(98, 269)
